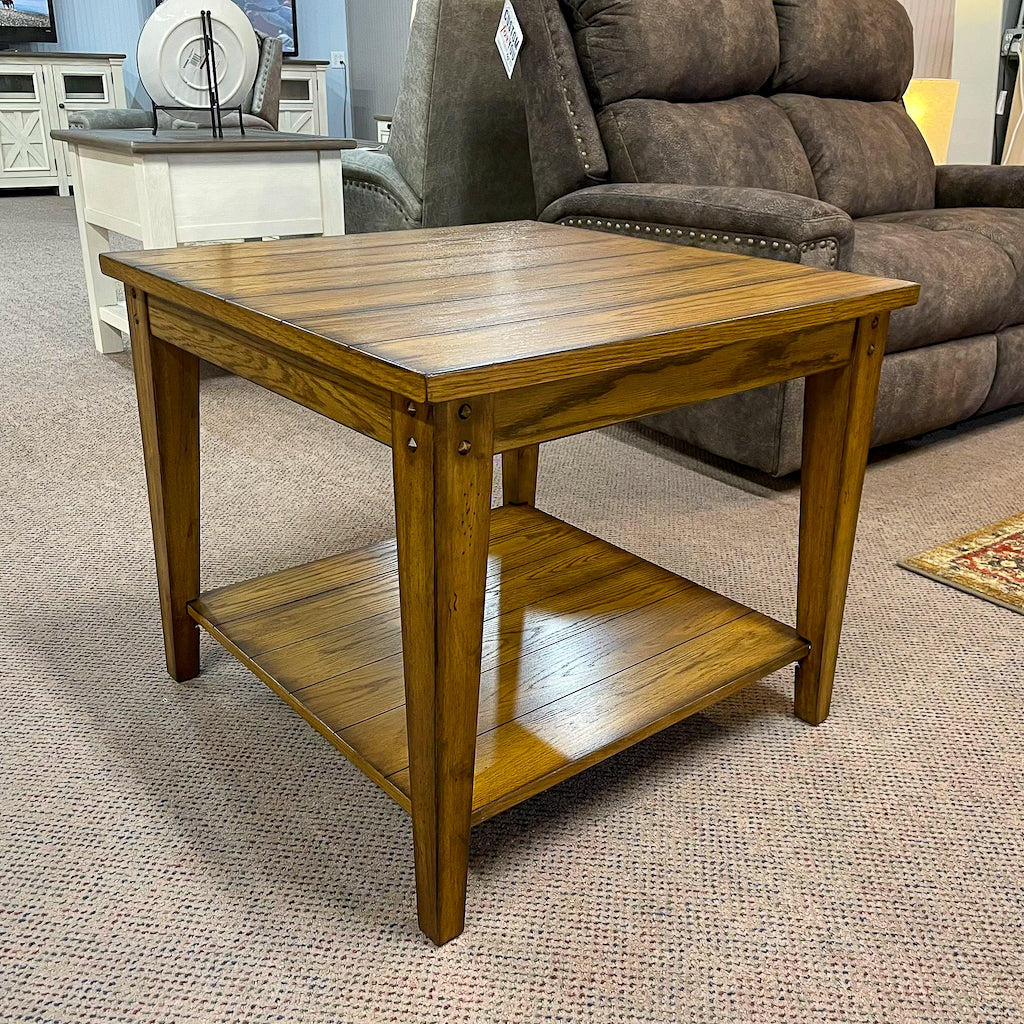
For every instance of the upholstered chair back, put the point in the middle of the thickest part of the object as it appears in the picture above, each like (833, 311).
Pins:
(265, 99)
(458, 135)
(798, 96)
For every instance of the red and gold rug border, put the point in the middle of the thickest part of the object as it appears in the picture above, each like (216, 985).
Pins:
(936, 564)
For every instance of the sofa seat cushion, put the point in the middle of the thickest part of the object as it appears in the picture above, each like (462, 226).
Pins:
(746, 142)
(1008, 386)
(867, 158)
(969, 263)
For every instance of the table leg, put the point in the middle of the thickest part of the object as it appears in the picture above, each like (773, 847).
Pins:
(442, 468)
(156, 201)
(519, 475)
(332, 200)
(167, 382)
(102, 290)
(839, 408)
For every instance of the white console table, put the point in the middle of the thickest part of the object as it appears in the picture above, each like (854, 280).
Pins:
(185, 186)
(36, 92)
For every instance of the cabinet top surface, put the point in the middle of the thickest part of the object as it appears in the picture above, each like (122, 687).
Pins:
(53, 55)
(196, 140)
(497, 306)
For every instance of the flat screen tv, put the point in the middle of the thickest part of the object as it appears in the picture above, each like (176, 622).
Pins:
(26, 21)
(275, 18)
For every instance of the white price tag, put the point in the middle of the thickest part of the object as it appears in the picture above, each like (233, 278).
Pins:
(509, 39)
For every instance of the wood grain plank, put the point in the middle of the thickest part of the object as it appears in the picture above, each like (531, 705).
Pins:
(286, 624)
(446, 242)
(265, 593)
(513, 310)
(563, 346)
(341, 397)
(237, 600)
(325, 666)
(564, 407)
(316, 655)
(224, 638)
(349, 282)
(323, 351)
(264, 631)
(533, 753)
(518, 536)
(518, 687)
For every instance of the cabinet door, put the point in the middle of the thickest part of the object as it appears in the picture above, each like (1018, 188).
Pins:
(82, 87)
(26, 151)
(297, 103)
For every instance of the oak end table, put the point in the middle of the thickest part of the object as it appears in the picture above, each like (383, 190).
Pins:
(488, 654)
(184, 185)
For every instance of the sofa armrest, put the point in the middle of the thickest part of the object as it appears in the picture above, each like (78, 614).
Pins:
(377, 197)
(750, 221)
(959, 185)
(128, 117)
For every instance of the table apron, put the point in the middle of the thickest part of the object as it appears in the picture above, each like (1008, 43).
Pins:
(522, 416)
(542, 412)
(345, 399)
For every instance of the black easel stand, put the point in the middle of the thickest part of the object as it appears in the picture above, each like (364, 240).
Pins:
(210, 63)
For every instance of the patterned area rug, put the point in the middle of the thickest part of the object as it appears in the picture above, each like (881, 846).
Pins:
(988, 563)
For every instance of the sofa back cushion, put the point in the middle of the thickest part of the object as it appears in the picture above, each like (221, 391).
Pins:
(746, 142)
(681, 93)
(867, 158)
(844, 49)
(684, 51)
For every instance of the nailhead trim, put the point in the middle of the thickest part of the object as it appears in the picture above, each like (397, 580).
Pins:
(369, 186)
(829, 244)
(568, 105)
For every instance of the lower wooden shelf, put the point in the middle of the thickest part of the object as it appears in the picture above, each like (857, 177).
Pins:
(586, 650)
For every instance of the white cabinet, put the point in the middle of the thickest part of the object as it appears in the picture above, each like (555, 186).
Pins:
(304, 97)
(36, 92)
(27, 155)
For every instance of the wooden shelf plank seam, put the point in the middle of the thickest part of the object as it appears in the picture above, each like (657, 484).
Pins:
(586, 648)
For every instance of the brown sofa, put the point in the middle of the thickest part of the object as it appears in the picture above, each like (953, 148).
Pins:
(777, 129)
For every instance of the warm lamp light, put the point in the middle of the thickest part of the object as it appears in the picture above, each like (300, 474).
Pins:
(931, 102)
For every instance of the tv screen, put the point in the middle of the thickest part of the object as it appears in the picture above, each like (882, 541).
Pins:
(27, 21)
(275, 18)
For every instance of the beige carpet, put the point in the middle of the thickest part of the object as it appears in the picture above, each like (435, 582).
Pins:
(196, 853)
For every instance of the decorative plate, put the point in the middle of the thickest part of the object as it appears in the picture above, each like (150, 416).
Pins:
(172, 64)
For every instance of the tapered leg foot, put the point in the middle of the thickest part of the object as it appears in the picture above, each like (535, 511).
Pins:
(442, 507)
(167, 382)
(839, 409)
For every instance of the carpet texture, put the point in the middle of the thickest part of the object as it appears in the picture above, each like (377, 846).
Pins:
(179, 853)
(988, 563)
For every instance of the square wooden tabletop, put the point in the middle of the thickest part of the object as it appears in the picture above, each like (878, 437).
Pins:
(440, 313)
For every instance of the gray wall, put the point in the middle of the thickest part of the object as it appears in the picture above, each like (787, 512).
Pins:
(378, 36)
